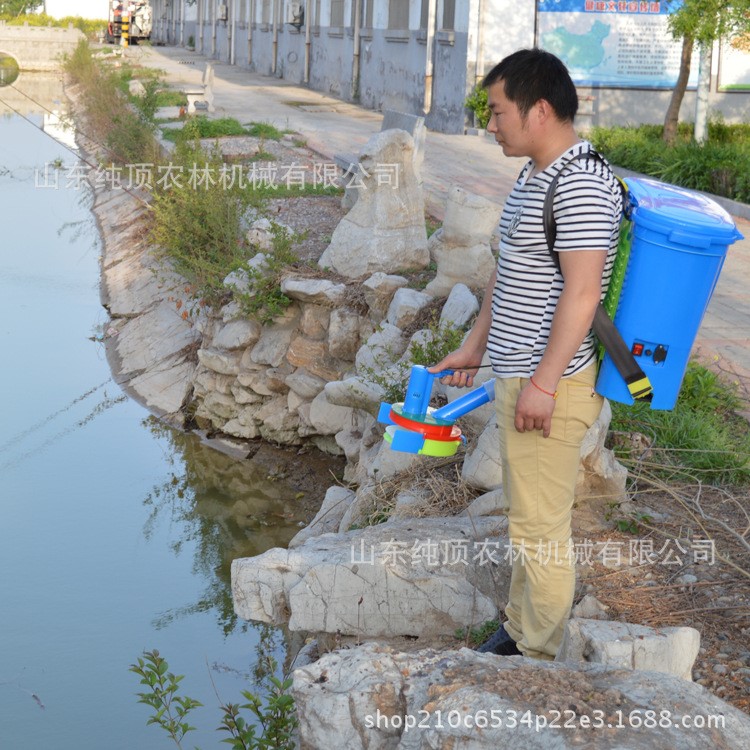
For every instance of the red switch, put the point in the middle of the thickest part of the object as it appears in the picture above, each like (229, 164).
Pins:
(637, 349)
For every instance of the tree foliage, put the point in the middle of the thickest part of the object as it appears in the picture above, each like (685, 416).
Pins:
(18, 7)
(700, 23)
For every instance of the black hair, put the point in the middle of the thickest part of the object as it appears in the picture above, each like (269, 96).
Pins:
(533, 74)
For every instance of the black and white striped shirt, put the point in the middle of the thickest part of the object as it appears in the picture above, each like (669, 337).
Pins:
(587, 208)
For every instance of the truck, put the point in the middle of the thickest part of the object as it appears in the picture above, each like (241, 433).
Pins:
(140, 15)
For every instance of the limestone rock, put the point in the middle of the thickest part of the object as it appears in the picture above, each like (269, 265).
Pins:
(273, 344)
(461, 247)
(355, 392)
(589, 608)
(261, 233)
(327, 418)
(381, 349)
(379, 290)
(315, 321)
(460, 307)
(385, 580)
(329, 516)
(315, 291)
(482, 466)
(340, 697)
(313, 356)
(237, 334)
(492, 503)
(621, 644)
(305, 384)
(385, 229)
(343, 334)
(405, 306)
(223, 362)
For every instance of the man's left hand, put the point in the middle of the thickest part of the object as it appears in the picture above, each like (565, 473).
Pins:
(534, 411)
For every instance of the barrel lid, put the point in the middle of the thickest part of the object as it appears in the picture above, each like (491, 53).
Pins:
(686, 217)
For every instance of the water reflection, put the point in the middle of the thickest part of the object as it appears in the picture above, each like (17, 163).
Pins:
(221, 508)
(8, 70)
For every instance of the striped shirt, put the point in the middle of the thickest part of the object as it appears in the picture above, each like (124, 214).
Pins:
(587, 208)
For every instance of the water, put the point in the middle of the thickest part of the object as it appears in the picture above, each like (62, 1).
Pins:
(115, 532)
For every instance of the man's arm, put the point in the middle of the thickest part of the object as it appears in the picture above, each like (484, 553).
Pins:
(582, 271)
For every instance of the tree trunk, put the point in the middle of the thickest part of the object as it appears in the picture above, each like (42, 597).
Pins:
(678, 93)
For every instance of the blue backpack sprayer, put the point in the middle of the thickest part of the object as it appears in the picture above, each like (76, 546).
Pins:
(666, 270)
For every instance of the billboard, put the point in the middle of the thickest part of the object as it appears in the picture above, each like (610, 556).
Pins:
(613, 43)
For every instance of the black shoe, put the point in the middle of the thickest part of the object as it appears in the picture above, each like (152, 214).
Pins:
(499, 643)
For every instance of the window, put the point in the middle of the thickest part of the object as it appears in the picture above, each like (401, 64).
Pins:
(367, 20)
(337, 13)
(316, 12)
(398, 14)
(449, 14)
(243, 11)
(425, 17)
(265, 12)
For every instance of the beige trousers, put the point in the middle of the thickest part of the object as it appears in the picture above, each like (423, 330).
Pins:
(539, 478)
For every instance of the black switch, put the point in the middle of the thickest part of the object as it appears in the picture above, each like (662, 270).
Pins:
(660, 354)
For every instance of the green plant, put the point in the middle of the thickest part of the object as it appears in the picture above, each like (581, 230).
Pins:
(274, 716)
(392, 375)
(701, 437)
(170, 710)
(264, 300)
(191, 42)
(476, 101)
(264, 130)
(477, 636)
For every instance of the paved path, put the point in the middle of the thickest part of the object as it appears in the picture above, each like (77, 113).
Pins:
(331, 126)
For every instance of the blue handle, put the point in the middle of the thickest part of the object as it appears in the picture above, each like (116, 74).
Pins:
(419, 390)
(472, 400)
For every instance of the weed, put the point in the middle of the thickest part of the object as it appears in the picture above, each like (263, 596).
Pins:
(274, 716)
(477, 103)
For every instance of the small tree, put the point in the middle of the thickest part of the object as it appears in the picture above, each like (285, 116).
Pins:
(700, 22)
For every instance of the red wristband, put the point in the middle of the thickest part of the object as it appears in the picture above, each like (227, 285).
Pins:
(539, 388)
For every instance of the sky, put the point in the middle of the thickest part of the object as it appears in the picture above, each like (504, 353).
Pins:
(85, 8)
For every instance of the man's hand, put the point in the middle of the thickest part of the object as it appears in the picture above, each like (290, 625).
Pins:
(463, 363)
(534, 411)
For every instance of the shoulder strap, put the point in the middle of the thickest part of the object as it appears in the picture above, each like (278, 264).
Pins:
(637, 381)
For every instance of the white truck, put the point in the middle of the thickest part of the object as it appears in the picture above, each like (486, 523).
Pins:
(140, 16)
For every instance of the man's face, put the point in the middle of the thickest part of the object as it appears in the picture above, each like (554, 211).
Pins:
(511, 129)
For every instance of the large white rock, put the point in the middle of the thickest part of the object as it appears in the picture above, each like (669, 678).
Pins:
(461, 247)
(405, 306)
(404, 577)
(237, 334)
(358, 698)
(304, 383)
(315, 291)
(622, 644)
(482, 466)
(383, 348)
(327, 519)
(273, 343)
(379, 290)
(460, 307)
(328, 418)
(355, 392)
(385, 230)
(343, 334)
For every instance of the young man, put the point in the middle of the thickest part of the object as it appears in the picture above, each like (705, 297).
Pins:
(535, 323)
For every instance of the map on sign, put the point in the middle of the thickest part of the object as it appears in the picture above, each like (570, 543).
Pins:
(621, 43)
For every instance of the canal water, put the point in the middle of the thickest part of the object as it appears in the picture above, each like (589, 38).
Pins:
(116, 533)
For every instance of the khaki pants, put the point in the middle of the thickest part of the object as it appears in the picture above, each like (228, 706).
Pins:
(539, 478)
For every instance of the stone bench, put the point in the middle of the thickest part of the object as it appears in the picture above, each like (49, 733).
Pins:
(201, 96)
(349, 163)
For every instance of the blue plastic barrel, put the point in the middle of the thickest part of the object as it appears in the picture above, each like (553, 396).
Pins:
(680, 240)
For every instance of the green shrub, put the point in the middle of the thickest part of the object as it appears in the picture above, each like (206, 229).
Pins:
(199, 225)
(703, 437)
(477, 103)
(721, 166)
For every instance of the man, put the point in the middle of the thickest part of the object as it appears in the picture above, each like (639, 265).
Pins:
(535, 323)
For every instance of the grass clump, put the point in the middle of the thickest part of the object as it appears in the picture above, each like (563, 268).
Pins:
(198, 222)
(703, 437)
(223, 126)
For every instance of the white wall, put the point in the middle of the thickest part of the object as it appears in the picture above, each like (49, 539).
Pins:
(84, 8)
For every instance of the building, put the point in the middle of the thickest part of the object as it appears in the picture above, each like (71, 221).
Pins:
(425, 56)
